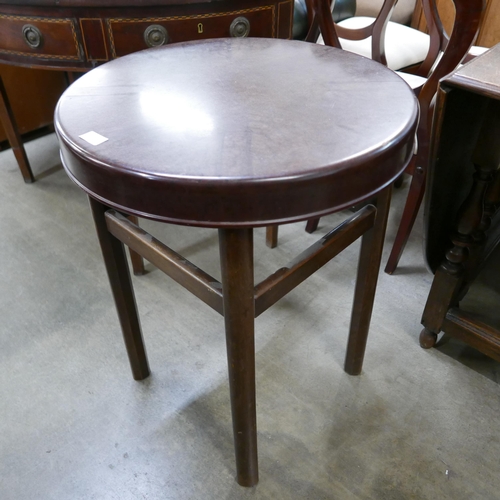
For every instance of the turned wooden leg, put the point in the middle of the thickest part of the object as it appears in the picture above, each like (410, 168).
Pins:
(121, 285)
(366, 284)
(272, 236)
(13, 136)
(236, 255)
(136, 260)
(312, 225)
(413, 202)
(427, 339)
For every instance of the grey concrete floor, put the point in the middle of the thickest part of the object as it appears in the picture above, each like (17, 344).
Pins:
(415, 424)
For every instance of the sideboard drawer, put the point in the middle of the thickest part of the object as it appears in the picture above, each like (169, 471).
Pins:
(129, 35)
(50, 39)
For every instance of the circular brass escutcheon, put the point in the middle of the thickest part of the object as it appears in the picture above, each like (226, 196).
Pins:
(155, 35)
(32, 36)
(240, 27)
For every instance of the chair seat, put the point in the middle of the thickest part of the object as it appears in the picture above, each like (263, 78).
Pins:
(405, 46)
(475, 50)
(414, 81)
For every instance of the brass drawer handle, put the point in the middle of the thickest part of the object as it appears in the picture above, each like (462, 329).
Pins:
(32, 36)
(155, 35)
(240, 27)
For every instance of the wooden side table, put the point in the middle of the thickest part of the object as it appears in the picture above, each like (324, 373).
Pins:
(235, 134)
(461, 217)
(77, 35)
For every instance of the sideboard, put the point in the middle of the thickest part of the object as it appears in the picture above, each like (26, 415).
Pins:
(77, 35)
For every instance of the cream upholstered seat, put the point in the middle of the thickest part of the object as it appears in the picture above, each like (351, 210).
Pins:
(404, 46)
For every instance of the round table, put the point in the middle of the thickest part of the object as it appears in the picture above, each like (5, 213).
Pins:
(235, 134)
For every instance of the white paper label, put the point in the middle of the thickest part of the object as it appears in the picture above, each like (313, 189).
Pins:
(93, 138)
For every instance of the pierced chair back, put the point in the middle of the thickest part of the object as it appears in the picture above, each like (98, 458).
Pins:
(443, 55)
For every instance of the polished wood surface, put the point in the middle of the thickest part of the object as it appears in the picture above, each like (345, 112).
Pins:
(462, 221)
(33, 94)
(247, 142)
(463, 99)
(255, 92)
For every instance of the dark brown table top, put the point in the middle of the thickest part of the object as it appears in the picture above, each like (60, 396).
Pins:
(237, 132)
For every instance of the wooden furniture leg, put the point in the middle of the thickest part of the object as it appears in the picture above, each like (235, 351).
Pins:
(312, 225)
(135, 258)
(366, 284)
(236, 256)
(272, 236)
(449, 278)
(123, 293)
(9, 123)
(413, 202)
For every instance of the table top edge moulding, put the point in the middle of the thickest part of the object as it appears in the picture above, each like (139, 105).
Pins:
(230, 154)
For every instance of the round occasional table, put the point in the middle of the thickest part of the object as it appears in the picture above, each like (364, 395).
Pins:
(234, 134)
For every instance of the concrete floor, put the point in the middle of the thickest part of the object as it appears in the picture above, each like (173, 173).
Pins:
(415, 424)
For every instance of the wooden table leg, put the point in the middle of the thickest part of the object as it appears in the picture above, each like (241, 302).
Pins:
(135, 259)
(272, 236)
(12, 132)
(366, 284)
(236, 255)
(121, 285)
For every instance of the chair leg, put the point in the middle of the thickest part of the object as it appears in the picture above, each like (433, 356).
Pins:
(236, 255)
(135, 258)
(312, 225)
(413, 202)
(366, 284)
(121, 285)
(9, 124)
(272, 236)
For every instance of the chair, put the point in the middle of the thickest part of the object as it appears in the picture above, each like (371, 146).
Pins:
(438, 55)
